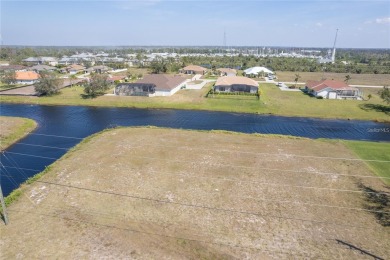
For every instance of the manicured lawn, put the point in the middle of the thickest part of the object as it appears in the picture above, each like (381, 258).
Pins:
(373, 151)
(298, 104)
(272, 101)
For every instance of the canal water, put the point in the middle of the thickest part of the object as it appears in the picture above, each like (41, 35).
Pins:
(62, 127)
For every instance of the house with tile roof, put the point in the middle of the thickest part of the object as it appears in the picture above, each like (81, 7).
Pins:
(332, 89)
(193, 69)
(152, 85)
(26, 77)
(75, 68)
(227, 72)
(236, 84)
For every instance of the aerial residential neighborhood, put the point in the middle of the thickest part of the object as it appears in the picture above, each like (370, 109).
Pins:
(221, 129)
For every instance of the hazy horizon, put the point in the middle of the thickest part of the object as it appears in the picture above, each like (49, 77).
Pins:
(295, 24)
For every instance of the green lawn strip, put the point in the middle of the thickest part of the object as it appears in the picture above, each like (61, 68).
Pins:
(272, 101)
(18, 134)
(373, 151)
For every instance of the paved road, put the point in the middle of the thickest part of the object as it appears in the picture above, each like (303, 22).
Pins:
(30, 90)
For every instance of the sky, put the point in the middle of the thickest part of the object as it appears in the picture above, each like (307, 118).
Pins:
(361, 24)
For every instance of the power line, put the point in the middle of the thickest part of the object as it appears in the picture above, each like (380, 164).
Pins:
(31, 155)
(227, 165)
(199, 206)
(241, 166)
(253, 181)
(71, 137)
(229, 151)
(44, 146)
(152, 234)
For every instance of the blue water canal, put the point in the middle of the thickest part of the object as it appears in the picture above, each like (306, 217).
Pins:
(62, 127)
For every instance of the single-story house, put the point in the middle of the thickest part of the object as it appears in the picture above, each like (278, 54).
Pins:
(26, 77)
(112, 79)
(332, 89)
(38, 68)
(152, 85)
(227, 72)
(236, 84)
(74, 69)
(97, 69)
(256, 71)
(193, 69)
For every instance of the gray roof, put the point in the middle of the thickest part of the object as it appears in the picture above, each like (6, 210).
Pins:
(162, 81)
(42, 67)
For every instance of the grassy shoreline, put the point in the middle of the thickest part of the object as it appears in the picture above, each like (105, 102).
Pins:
(272, 102)
(23, 126)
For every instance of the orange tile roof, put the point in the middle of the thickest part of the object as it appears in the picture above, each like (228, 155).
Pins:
(26, 75)
(327, 83)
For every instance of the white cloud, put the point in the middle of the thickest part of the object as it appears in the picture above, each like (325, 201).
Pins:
(319, 24)
(383, 20)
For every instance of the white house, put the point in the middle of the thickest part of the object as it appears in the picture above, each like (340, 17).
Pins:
(332, 89)
(254, 71)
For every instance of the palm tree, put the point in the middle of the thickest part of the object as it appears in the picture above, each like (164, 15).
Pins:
(347, 78)
(297, 77)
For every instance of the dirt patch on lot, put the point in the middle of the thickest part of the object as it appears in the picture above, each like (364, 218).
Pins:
(173, 194)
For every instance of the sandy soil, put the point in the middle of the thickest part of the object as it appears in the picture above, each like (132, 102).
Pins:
(143, 193)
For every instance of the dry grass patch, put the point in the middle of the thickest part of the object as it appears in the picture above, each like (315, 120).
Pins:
(174, 194)
(14, 128)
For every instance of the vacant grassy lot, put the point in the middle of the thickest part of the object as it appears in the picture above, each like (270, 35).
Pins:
(272, 101)
(13, 129)
(356, 79)
(173, 194)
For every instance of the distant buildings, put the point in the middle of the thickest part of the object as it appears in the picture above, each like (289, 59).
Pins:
(52, 61)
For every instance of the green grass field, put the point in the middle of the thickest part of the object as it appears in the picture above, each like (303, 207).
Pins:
(373, 151)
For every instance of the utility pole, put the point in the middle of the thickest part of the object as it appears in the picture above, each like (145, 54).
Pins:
(3, 206)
